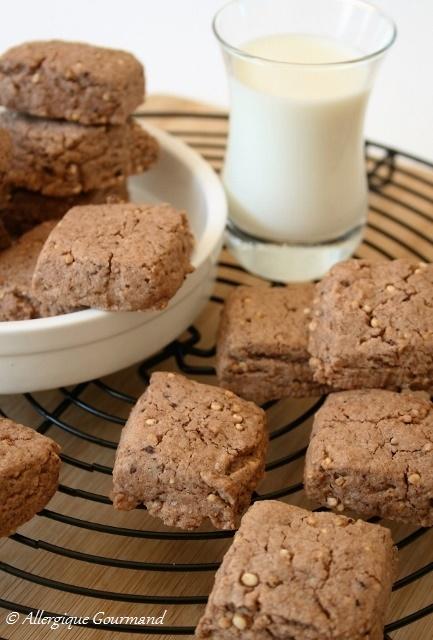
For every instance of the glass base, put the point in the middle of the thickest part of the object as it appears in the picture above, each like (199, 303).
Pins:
(290, 262)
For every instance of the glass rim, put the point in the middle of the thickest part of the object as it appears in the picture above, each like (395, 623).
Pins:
(240, 53)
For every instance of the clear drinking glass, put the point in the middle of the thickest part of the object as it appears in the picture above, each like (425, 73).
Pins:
(300, 73)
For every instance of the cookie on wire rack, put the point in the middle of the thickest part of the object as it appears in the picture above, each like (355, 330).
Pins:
(188, 452)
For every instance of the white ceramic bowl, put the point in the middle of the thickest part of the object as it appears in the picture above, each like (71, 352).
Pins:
(50, 352)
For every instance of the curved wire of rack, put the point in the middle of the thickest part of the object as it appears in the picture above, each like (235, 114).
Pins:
(384, 167)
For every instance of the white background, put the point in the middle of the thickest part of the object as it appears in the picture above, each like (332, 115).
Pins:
(174, 40)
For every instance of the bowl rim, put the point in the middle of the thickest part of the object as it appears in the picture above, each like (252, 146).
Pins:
(216, 205)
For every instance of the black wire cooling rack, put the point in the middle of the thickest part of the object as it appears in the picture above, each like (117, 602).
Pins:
(79, 542)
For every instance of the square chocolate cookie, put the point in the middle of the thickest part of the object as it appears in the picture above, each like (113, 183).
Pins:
(262, 344)
(118, 257)
(371, 451)
(71, 81)
(5, 239)
(59, 158)
(293, 574)
(372, 326)
(188, 452)
(5, 162)
(29, 474)
(17, 264)
(25, 209)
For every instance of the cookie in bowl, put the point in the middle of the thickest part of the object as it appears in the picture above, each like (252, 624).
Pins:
(25, 209)
(58, 158)
(115, 257)
(71, 81)
(17, 264)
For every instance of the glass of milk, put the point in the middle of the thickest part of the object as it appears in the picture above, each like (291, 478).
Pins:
(300, 74)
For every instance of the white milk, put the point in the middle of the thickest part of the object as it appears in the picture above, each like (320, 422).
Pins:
(294, 169)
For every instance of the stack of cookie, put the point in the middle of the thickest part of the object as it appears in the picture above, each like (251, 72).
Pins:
(73, 138)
